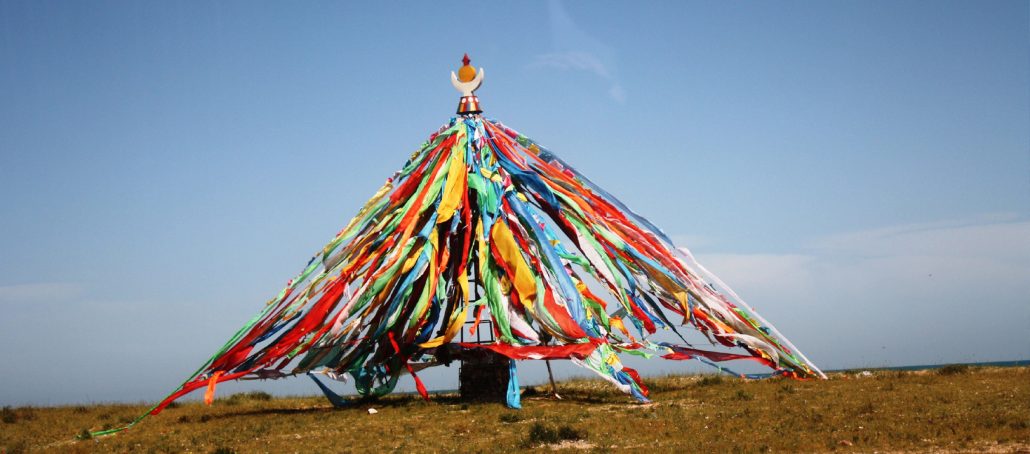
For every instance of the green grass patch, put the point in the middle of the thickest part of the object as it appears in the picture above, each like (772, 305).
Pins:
(711, 380)
(953, 369)
(541, 434)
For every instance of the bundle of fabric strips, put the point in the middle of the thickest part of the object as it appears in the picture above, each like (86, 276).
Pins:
(482, 223)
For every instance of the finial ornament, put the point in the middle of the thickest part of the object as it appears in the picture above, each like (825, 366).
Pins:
(467, 81)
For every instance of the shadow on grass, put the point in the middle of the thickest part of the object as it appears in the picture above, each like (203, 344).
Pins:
(361, 405)
(279, 411)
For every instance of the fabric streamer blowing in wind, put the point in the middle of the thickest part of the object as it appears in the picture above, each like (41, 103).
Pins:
(483, 223)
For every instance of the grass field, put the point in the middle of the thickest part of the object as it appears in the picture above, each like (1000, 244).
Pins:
(955, 409)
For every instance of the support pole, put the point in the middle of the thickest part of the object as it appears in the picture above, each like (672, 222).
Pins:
(550, 376)
(546, 340)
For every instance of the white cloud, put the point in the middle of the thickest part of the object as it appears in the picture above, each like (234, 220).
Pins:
(580, 61)
(950, 291)
(787, 275)
(39, 292)
(575, 50)
(995, 236)
(617, 93)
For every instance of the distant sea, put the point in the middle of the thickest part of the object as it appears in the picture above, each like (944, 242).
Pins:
(1020, 363)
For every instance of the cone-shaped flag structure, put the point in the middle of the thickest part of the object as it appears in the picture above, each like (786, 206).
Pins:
(483, 223)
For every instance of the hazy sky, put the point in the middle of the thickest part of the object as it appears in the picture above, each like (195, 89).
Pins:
(858, 171)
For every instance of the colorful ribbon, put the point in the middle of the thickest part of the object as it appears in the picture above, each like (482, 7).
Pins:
(482, 218)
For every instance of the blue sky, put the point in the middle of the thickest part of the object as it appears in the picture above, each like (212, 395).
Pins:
(859, 172)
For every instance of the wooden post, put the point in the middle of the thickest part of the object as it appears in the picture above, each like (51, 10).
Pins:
(550, 375)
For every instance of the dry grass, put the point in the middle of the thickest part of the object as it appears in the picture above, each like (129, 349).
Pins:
(969, 410)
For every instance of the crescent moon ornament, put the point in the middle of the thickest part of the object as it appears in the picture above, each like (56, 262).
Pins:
(467, 81)
(467, 88)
